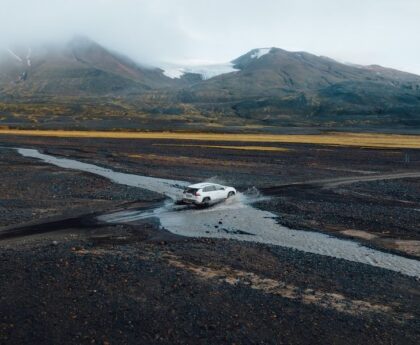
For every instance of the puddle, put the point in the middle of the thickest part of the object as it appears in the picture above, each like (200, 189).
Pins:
(234, 219)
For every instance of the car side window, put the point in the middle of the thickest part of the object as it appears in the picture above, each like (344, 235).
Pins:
(209, 189)
(220, 188)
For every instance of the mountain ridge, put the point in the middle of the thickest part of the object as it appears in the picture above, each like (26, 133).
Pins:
(268, 86)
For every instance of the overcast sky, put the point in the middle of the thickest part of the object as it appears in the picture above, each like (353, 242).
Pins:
(385, 32)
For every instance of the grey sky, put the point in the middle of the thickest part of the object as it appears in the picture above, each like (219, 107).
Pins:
(386, 32)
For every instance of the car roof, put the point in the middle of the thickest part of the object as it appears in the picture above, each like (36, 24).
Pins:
(202, 185)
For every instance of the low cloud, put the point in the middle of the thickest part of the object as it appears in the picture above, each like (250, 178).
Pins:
(152, 31)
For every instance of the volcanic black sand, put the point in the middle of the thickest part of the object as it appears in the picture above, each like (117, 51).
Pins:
(68, 279)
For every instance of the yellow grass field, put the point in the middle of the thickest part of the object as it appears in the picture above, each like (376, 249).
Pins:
(244, 148)
(333, 139)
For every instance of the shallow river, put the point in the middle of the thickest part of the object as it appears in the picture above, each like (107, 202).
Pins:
(234, 219)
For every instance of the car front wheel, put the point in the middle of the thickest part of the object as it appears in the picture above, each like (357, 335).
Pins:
(231, 194)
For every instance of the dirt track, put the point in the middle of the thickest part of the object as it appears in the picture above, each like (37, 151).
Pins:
(342, 181)
(381, 177)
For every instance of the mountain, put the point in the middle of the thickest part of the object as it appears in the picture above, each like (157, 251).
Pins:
(281, 87)
(81, 67)
(281, 73)
(266, 86)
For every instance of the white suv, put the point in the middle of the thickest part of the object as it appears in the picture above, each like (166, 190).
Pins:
(206, 193)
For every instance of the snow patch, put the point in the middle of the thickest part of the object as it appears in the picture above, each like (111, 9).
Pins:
(205, 71)
(14, 55)
(211, 71)
(260, 53)
(28, 57)
(174, 72)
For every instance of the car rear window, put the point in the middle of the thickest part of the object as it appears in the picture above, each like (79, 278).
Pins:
(191, 190)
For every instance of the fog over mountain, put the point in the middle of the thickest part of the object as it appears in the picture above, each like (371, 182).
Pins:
(81, 84)
(363, 32)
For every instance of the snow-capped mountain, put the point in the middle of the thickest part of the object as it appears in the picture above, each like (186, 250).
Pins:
(265, 84)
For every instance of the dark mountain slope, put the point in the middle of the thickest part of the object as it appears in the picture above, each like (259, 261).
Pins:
(280, 83)
(81, 67)
(280, 71)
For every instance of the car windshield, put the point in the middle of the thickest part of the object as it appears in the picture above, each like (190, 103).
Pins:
(191, 190)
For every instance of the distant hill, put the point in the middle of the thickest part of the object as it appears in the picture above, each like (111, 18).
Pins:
(266, 86)
(285, 83)
(81, 67)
